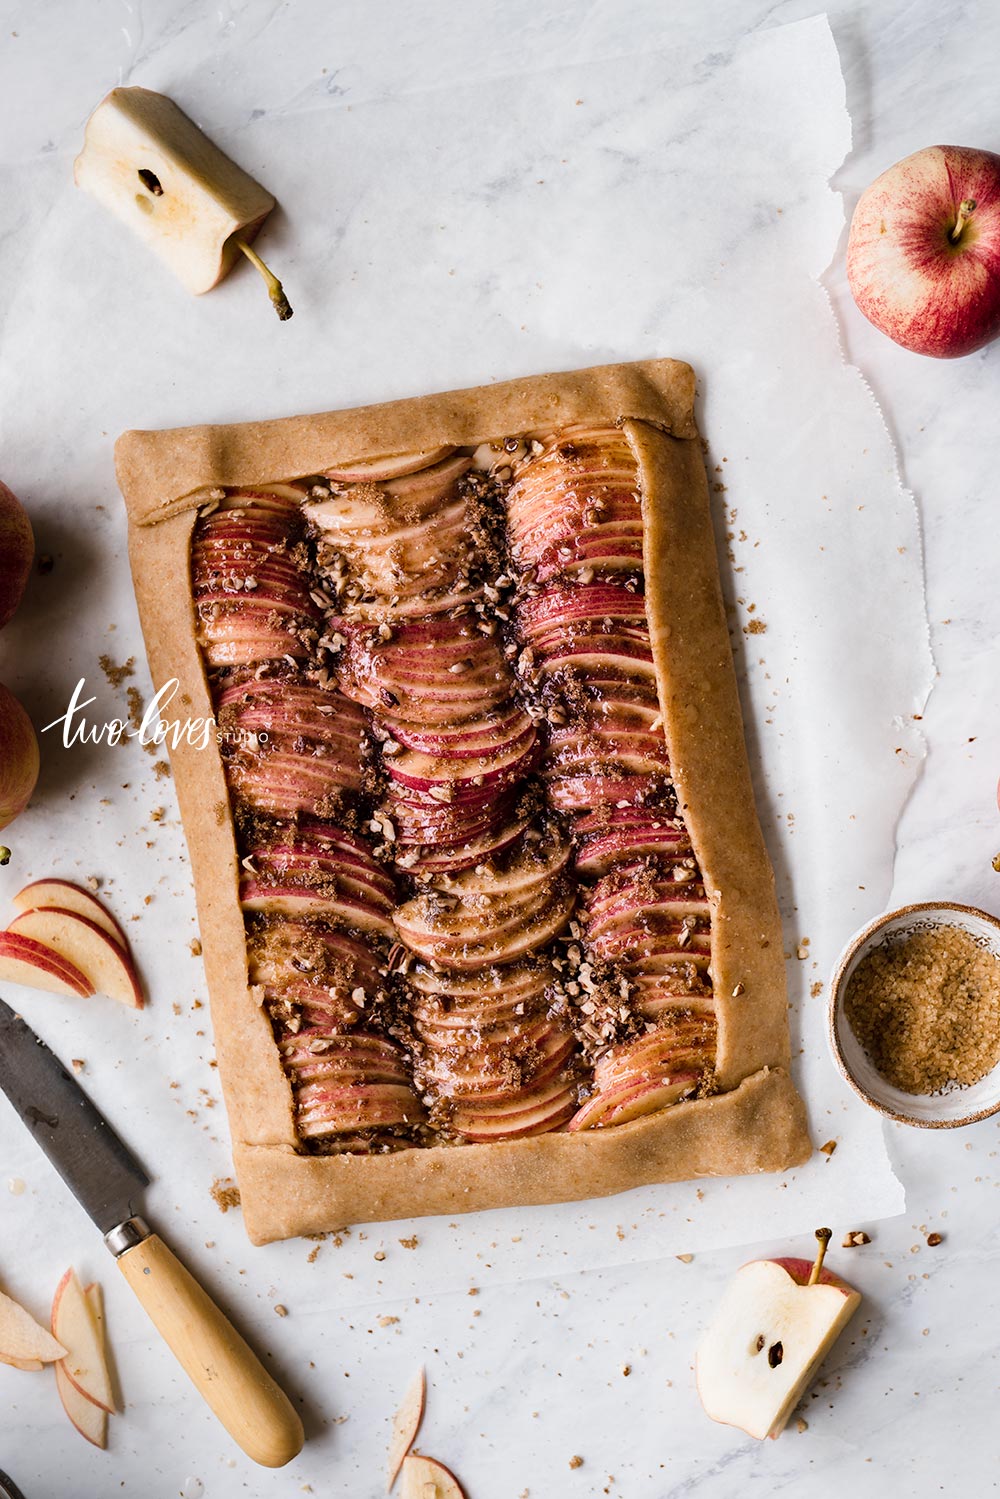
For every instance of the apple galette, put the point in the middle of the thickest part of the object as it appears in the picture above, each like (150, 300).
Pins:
(486, 910)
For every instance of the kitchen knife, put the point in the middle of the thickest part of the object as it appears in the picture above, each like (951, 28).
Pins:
(107, 1181)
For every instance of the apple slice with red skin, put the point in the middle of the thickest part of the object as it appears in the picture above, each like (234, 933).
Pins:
(70, 897)
(426, 1478)
(771, 1331)
(406, 1424)
(23, 960)
(90, 1420)
(23, 1341)
(74, 1325)
(378, 470)
(633, 1098)
(106, 967)
(521, 1114)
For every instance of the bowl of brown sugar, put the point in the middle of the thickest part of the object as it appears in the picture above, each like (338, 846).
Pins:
(915, 1014)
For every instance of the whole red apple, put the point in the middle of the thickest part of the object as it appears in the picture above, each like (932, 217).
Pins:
(17, 548)
(18, 757)
(923, 258)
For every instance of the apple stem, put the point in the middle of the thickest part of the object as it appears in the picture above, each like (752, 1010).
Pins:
(965, 208)
(823, 1235)
(274, 288)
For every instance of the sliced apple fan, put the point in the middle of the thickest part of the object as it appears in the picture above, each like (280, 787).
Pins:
(472, 906)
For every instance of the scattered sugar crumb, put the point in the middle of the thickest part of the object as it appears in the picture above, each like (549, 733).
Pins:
(116, 675)
(225, 1193)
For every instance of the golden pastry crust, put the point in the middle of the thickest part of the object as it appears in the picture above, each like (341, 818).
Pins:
(759, 1123)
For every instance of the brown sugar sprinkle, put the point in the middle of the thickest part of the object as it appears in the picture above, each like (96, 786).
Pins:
(116, 675)
(926, 1009)
(225, 1194)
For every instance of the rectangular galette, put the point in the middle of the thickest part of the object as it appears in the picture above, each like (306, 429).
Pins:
(485, 906)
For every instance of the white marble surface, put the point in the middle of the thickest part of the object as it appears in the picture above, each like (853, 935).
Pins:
(537, 1376)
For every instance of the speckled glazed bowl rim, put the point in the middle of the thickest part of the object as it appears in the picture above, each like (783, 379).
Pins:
(937, 912)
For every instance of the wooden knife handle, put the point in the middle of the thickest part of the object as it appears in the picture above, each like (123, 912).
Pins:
(227, 1374)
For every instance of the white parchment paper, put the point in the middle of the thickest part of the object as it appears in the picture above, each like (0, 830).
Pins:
(674, 202)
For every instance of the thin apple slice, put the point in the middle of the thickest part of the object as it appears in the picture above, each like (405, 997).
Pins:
(68, 897)
(396, 466)
(30, 1364)
(23, 960)
(406, 1424)
(74, 1324)
(22, 1339)
(426, 1478)
(86, 946)
(90, 1420)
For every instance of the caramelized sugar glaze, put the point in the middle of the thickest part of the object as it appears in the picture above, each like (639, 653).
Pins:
(472, 907)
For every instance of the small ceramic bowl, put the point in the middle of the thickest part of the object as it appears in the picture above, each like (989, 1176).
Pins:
(945, 1110)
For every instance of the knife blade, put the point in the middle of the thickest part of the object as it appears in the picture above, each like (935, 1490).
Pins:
(101, 1172)
(107, 1180)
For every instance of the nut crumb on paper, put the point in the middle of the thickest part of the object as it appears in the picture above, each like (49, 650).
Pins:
(225, 1193)
(195, 947)
(854, 1238)
(387, 1321)
(685, 1259)
(576, 1461)
(934, 1240)
(78, 1064)
(410, 1243)
(828, 1148)
(280, 1310)
(161, 769)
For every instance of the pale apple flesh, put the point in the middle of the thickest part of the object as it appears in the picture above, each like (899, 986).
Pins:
(23, 960)
(76, 1327)
(23, 1341)
(107, 968)
(923, 257)
(766, 1341)
(151, 166)
(69, 897)
(406, 1425)
(426, 1478)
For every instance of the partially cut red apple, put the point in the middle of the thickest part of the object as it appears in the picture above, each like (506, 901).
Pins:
(24, 960)
(406, 1424)
(74, 1324)
(770, 1333)
(69, 897)
(87, 947)
(426, 1478)
(22, 1339)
